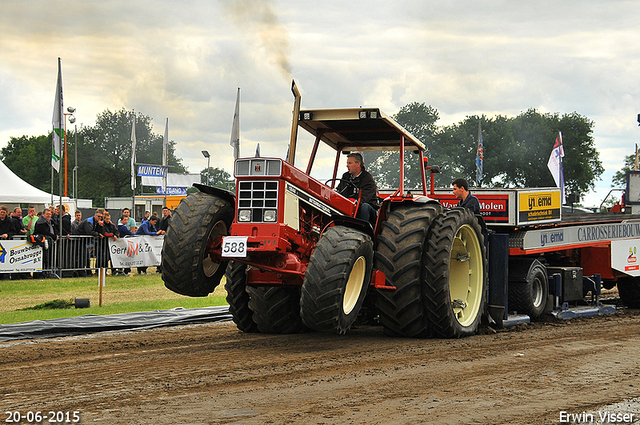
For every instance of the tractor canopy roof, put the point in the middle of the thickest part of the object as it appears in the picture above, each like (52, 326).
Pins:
(357, 129)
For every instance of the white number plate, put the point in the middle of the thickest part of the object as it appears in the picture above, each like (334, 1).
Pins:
(234, 246)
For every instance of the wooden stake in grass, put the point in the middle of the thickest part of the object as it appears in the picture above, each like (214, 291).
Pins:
(102, 277)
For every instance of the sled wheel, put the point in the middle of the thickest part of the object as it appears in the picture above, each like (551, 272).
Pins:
(336, 280)
(238, 297)
(190, 264)
(399, 255)
(456, 271)
(276, 310)
(528, 287)
(629, 291)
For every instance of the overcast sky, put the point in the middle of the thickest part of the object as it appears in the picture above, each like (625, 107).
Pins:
(185, 60)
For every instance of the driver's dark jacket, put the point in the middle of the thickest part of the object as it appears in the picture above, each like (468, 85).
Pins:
(365, 182)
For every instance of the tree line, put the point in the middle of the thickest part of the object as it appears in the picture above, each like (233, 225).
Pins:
(516, 151)
(104, 156)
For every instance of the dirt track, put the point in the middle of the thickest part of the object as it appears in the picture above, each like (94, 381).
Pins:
(213, 374)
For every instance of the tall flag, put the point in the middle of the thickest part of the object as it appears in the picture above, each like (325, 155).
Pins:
(635, 164)
(479, 156)
(165, 143)
(235, 130)
(133, 153)
(555, 164)
(58, 108)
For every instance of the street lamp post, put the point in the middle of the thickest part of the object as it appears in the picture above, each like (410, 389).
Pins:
(72, 119)
(206, 155)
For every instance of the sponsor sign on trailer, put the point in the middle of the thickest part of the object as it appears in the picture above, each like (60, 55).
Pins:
(624, 256)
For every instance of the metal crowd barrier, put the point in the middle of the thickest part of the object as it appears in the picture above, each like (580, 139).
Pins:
(75, 255)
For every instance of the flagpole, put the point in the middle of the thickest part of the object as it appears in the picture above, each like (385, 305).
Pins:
(61, 117)
(133, 166)
(165, 143)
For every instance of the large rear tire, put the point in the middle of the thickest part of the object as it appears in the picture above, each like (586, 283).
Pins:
(196, 228)
(456, 274)
(336, 280)
(528, 287)
(399, 255)
(238, 297)
(276, 310)
(629, 291)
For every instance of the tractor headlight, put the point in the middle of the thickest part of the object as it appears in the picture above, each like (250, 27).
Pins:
(269, 215)
(244, 215)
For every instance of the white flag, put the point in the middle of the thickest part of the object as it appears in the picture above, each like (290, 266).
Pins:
(58, 107)
(133, 154)
(555, 164)
(235, 130)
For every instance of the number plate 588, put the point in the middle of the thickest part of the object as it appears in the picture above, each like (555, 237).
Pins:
(234, 246)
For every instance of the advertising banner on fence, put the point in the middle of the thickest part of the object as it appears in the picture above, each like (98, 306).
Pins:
(20, 256)
(136, 251)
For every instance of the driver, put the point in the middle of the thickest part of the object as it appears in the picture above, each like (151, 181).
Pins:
(363, 180)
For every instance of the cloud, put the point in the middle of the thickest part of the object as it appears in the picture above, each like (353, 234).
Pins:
(186, 60)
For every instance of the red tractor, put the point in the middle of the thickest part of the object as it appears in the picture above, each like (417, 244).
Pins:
(297, 258)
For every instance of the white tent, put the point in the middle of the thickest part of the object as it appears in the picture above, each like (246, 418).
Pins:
(17, 191)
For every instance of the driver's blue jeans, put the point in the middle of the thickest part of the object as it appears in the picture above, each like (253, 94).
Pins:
(365, 212)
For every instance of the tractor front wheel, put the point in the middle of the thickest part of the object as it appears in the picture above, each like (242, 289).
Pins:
(190, 264)
(276, 310)
(238, 297)
(336, 280)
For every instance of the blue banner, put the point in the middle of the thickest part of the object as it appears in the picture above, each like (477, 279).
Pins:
(172, 190)
(151, 170)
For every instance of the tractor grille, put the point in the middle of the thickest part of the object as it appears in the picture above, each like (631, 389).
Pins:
(257, 196)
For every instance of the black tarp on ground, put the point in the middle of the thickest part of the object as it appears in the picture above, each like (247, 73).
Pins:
(92, 323)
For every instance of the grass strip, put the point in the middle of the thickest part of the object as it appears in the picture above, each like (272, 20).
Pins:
(25, 300)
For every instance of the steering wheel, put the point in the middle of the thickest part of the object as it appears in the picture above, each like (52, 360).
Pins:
(349, 183)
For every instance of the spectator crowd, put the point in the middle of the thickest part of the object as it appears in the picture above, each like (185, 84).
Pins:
(80, 240)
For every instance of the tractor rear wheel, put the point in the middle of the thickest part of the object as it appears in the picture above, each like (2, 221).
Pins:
(528, 287)
(456, 274)
(629, 291)
(399, 255)
(238, 297)
(276, 310)
(336, 280)
(189, 267)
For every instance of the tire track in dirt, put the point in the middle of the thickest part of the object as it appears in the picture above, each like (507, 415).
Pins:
(214, 374)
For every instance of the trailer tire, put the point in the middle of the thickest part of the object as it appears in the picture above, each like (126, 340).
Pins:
(528, 287)
(456, 274)
(335, 283)
(629, 291)
(399, 255)
(196, 227)
(276, 310)
(238, 297)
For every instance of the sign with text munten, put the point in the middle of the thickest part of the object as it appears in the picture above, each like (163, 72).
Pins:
(151, 170)
(20, 256)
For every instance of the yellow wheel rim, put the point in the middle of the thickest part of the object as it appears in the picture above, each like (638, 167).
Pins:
(354, 285)
(466, 275)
